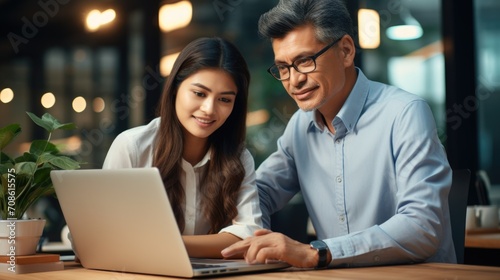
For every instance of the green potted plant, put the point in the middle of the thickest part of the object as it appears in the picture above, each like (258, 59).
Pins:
(25, 179)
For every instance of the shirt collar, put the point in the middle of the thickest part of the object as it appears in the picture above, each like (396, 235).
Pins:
(317, 120)
(350, 112)
(205, 159)
(202, 162)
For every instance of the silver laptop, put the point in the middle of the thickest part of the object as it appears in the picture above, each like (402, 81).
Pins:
(121, 220)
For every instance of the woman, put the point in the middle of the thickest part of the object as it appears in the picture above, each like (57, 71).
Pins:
(197, 143)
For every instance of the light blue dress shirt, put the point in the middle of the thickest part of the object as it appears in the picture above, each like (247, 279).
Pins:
(377, 189)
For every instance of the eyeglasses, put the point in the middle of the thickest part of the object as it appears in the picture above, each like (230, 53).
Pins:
(302, 65)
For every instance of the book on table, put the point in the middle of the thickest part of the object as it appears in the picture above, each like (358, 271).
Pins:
(30, 263)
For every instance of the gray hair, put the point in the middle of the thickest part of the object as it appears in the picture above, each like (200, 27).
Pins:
(330, 19)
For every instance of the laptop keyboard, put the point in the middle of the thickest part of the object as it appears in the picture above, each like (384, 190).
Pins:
(205, 265)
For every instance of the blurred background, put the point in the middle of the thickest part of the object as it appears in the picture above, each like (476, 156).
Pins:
(101, 64)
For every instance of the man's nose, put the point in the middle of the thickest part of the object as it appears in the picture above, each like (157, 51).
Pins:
(297, 79)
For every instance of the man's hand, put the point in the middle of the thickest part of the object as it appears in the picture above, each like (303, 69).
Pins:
(266, 246)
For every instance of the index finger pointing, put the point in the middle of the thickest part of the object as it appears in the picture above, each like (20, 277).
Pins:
(239, 247)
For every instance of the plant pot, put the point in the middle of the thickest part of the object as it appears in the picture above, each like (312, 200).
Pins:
(20, 237)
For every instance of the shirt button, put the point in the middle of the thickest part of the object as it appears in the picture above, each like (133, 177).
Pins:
(338, 141)
(376, 258)
(342, 218)
(339, 179)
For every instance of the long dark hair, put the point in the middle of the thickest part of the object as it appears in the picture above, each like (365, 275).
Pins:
(221, 181)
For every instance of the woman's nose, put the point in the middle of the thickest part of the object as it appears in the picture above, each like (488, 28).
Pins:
(208, 106)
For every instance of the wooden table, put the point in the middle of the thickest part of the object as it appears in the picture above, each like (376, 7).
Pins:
(482, 247)
(74, 271)
(487, 239)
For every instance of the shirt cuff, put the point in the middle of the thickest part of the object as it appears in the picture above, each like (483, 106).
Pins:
(240, 230)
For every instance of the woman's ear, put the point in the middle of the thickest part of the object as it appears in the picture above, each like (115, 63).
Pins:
(348, 50)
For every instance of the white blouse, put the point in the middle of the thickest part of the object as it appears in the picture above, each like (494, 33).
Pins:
(133, 148)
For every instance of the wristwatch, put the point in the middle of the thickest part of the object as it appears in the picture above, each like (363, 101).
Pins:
(322, 249)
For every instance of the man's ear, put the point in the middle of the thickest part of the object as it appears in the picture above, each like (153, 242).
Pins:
(348, 49)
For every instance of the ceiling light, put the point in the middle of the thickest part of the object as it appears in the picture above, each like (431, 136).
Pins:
(6, 95)
(404, 27)
(175, 16)
(95, 19)
(48, 100)
(166, 63)
(79, 104)
(369, 28)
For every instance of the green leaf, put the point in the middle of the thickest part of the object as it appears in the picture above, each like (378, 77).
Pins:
(32, 168)
(4, 158)
(24, 188)
(30, 197)
(26, 157)
(8, 133)
(22, 180)
(42, 177)
(5, 185)
(39, 147)
(3, 197)
(45, 124)
(27, 168)
(62, 162)
(49, 123)
(4, 167)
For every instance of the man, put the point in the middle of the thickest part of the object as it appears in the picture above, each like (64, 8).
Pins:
(365, 155)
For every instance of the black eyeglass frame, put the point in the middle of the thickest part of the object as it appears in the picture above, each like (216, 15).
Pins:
(313, 57)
